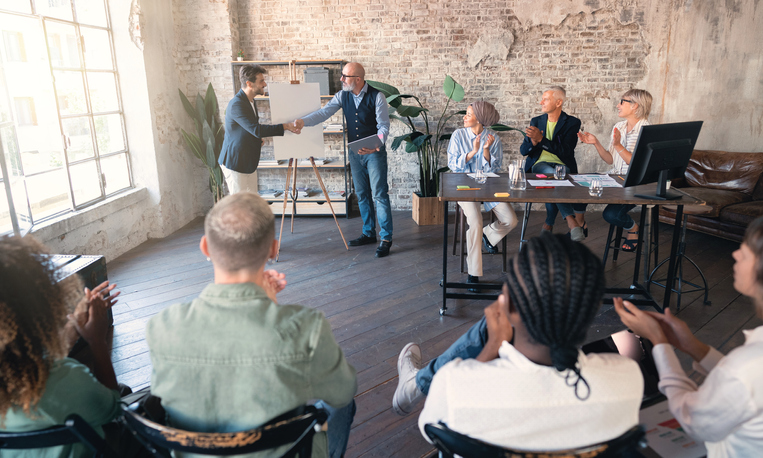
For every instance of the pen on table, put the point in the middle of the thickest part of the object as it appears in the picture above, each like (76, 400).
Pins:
(544, 187)
(468, 189)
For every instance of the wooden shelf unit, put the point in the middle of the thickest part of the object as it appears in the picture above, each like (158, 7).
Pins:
(314, 205)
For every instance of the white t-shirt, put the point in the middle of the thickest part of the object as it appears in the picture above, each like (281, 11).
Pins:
(628, 140)
(513, 402)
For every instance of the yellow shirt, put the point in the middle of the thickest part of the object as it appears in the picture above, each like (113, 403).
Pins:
(545, 156)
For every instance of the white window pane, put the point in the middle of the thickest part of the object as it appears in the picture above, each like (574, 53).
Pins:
(116, 173)
(97, 49)
(91, 12)
(22, 6)
(108, 133)
(61, 9)
(16, 180)
(62, 43)
(79, 141)
(5, 104)
(5, 212)
(103, 92)
(71, 93)
(85, 182)
(48, 193)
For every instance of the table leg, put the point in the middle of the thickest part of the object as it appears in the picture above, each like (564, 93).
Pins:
(673, 251)
(525, 220)
(639, 247)
(444, 257)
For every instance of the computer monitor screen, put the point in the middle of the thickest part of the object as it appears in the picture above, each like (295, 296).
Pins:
(662, 153)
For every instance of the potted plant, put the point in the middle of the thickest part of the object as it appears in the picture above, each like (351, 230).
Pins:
(240, 56)
(207, 143)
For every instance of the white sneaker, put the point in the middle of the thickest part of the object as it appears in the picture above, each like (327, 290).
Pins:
(407, 394)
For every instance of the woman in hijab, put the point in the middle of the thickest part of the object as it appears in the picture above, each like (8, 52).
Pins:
(473, 148)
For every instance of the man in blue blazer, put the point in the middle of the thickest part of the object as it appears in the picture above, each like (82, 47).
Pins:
(551, 140)
(244, 133)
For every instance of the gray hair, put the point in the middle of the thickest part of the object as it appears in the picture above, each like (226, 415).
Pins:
(643, 99)
(240, 230)
(559, 92)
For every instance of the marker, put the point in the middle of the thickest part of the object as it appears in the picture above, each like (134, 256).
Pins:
(501, 194)
(468, 189)
(544, 187)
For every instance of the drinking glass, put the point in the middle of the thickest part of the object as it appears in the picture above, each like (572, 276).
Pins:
(596, 188)
(517, 181)
(561, 172)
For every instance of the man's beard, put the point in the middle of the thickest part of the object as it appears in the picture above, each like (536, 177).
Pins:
(348, 87)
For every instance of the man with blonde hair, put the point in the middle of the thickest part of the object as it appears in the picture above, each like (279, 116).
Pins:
(234, 358)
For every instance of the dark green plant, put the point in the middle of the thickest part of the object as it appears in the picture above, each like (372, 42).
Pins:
(207, 142)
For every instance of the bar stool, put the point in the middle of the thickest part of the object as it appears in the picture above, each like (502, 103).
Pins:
(680, 256)
(459, 235)
(618, 242)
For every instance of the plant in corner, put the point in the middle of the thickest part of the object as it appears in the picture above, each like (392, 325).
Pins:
(207, 142)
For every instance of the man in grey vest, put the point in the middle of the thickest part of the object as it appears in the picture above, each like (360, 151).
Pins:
(366, 113)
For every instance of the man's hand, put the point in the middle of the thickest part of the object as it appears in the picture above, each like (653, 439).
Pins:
(299, 124)
(587, 137)
(292, 127)
(534, 134)
(364, 151)
(499, 328)
(640, 322)
(678, 334)
(273, 283)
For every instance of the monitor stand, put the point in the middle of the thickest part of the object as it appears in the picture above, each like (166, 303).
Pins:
(662, 192)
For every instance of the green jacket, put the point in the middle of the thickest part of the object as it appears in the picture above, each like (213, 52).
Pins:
(232, 359)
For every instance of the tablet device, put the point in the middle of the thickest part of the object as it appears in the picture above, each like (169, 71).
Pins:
(370, 142)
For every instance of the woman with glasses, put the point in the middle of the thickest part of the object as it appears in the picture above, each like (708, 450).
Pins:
(634, 108)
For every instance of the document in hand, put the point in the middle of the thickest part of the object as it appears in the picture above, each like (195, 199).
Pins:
(370, 142)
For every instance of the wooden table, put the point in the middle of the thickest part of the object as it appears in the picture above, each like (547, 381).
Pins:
(637, 293)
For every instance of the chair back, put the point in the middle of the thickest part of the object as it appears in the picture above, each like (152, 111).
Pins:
(74, 430)
(297, 427)
(451, 443)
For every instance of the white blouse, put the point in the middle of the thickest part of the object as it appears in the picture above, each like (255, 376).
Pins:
(628, 140)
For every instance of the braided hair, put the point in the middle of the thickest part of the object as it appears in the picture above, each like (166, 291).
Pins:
(557, 286)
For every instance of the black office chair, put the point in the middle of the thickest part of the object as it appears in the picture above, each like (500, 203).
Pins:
(451, 443)
(298, 426)
(74, 430)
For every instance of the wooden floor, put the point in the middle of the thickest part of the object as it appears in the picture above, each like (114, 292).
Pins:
(376, 306)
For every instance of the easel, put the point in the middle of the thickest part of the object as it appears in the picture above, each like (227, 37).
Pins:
(294, 194)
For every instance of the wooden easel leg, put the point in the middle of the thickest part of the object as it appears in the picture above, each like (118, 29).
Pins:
(328, 200)
(283, 212)
(294, 195)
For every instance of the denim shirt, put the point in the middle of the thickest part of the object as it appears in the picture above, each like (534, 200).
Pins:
(232, 359)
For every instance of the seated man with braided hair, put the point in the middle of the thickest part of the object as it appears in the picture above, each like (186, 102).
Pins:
(517, 378)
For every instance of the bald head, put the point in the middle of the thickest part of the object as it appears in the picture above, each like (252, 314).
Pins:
(239, 231)
(353, 77)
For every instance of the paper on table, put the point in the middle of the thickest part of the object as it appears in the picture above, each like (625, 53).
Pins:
(553, 183)
(487, 174)
(665, 435)
(606, 180)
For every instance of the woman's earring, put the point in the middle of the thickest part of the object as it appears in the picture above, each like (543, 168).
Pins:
(208, 259)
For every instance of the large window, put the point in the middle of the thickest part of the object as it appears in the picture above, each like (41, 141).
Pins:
(62, 136)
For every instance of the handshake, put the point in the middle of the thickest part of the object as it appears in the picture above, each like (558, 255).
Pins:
(295, 127)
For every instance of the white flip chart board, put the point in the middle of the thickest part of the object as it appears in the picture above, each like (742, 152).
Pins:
(287, 103)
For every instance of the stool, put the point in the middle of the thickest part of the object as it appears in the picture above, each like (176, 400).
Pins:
(459, 235)
(680, 256)
(616, 246)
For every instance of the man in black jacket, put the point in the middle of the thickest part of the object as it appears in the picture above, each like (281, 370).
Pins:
(551, 140)
(244, 133)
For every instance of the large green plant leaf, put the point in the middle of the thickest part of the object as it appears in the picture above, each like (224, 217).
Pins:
(453, 90)
(187, 105)
(193, 144)
(210, 105)
(409, 110)
(395, 99)
(419, 140)
(384, 88)
(208, 140)
(397, 141)
(505, 128)
(201, 115)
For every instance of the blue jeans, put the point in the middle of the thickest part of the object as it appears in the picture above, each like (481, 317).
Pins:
(617, 214)
(369, 174)
(467, 346)
(339, 422)
(552, 210)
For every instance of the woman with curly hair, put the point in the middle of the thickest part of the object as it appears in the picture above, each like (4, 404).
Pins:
(39, 385)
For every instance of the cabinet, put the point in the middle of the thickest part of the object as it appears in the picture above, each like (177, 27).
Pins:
(334, 170)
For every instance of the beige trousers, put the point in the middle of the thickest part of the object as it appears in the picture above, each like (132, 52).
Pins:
(506, 220)
(238, 182)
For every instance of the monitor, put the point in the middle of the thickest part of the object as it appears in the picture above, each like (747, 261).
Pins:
(662, 153)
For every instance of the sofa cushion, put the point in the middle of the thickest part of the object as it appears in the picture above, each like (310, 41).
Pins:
(742, 214)
(717, 199)
(725, 170)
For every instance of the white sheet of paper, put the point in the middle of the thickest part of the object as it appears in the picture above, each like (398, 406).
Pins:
(553, 183)
(287, 103)
(487, 174)
(665, 436)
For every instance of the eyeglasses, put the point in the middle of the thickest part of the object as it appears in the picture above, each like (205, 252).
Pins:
(626, 101)
(344, 77)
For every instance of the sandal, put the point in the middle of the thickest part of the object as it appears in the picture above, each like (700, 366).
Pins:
(585, 229)
(630, 245)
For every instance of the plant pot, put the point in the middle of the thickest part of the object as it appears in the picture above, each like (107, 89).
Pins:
(239, 59)
(427, 211)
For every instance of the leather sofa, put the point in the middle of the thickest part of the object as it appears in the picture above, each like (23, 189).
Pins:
(732, 186)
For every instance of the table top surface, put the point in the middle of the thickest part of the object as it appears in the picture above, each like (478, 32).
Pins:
(562, 194)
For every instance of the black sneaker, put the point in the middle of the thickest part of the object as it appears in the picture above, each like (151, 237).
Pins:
(383, 249)
(489, 247)
(363, 240)
(472, 279)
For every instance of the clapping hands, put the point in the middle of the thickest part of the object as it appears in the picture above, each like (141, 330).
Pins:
(90, 318)
(273, 282)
